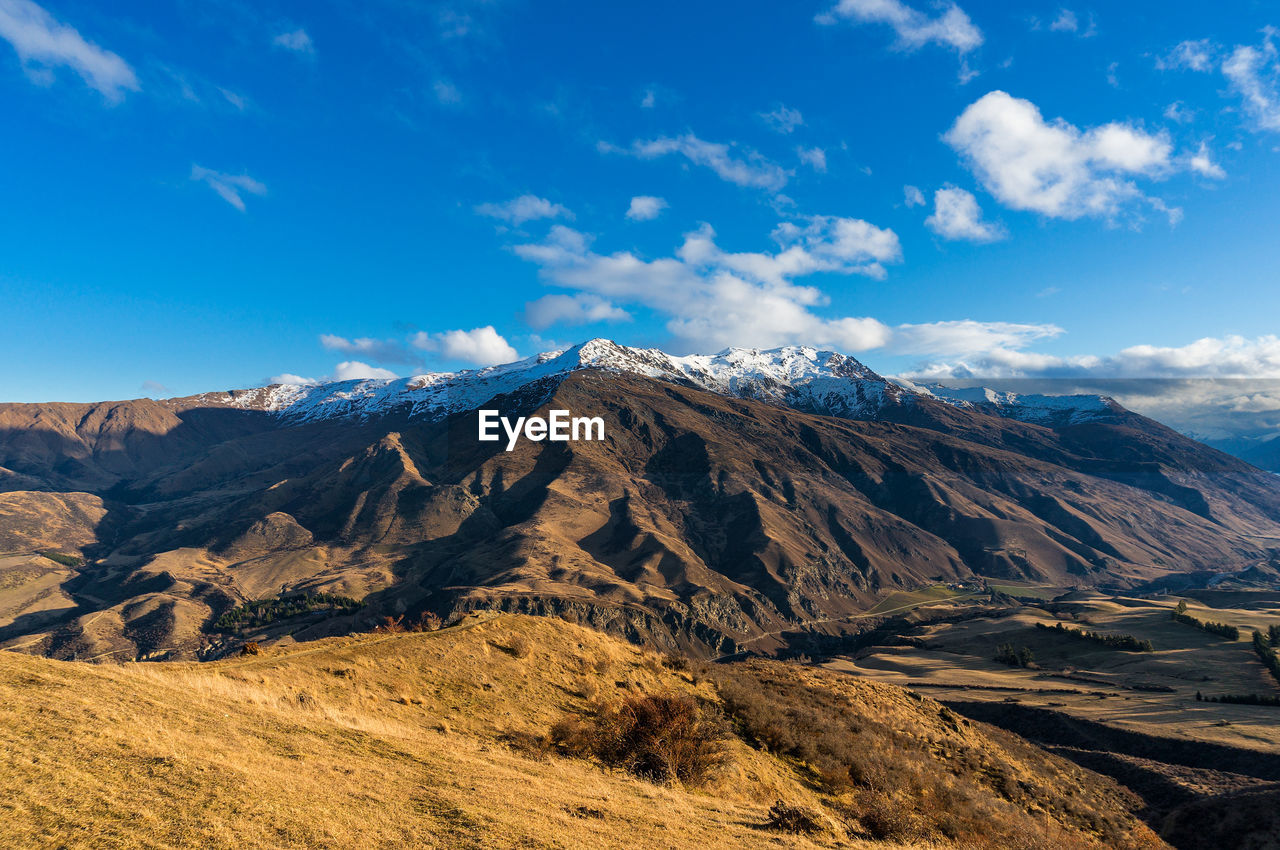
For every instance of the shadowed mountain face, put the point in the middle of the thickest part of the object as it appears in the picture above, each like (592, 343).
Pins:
(703, 519)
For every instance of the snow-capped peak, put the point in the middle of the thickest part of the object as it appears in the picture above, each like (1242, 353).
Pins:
(803, 377)
(1026, 407)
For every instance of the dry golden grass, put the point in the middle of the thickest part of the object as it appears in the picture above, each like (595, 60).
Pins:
(1186, 660)
(402, 740)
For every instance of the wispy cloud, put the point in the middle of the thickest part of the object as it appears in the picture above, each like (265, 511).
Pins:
(1199, 55)
(228, 186)
(297, 41)
(740, 166)
(525, 208)
(1201, 162)
(783, 119)
(43, 44)
(950, 28)
(382, 350)
(815, 158)
(447, 94)
(580, 309)
(1253, 72)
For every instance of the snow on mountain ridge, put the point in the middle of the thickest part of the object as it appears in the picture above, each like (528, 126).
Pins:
(802, 377)
(1030, 407)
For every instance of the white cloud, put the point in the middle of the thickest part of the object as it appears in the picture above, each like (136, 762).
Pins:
(446, 93)
(1189, 55)
(967, 336)
(713, 298)
(913, 197)
(951, 28)
(1053, 168)
(43, 43)
(354, 370)
(524, 208)
(228, 186)
(236, 100)
(833, 244)
(749, 169)
(956, 215)
(297, 40)
(1065, 22)
(784, 119)
(649, 100)
(384, 350)
(479, 346)
(1252, 73)
(1202, 163)
(292, 380)
(1179, 112)
(645, 208)
(580, 309)
(815, 158)
(1210, 357)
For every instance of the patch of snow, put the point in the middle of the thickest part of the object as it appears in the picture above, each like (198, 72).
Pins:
(797, 376)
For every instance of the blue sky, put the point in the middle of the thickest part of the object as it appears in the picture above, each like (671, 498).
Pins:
(207, 195)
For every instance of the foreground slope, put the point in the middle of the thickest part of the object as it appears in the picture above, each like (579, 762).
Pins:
(735, 498)
(438, 740)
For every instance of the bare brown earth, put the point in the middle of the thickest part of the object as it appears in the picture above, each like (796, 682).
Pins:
(702, 521)
(433, 740)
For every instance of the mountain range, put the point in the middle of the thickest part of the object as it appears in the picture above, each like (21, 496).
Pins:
(736, 498)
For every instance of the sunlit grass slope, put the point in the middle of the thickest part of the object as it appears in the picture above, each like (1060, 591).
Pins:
(431, 740)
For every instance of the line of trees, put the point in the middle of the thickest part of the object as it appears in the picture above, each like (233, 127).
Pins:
(1265, 648)
(1014, 657)
(1125, 643)
(265, 611)
(1225, 630)
(1240, 699)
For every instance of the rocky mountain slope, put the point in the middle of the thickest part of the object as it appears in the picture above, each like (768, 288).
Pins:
(735, 497)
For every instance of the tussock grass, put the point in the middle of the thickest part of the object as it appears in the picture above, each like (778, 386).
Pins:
(428, 739)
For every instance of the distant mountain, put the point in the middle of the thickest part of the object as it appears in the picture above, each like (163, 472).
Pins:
(736, 497)
(1263, 451)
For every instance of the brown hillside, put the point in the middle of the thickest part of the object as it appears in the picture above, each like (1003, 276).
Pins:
(702, 520)
(438, 740)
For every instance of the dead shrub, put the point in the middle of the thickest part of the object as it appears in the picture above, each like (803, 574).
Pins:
(391, 626)
(675, 662)
(662, 738)
(882, 818)
(797, 820)
(520, 646)
(251, 648)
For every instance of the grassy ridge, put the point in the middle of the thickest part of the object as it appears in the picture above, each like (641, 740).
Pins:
(443, 739)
